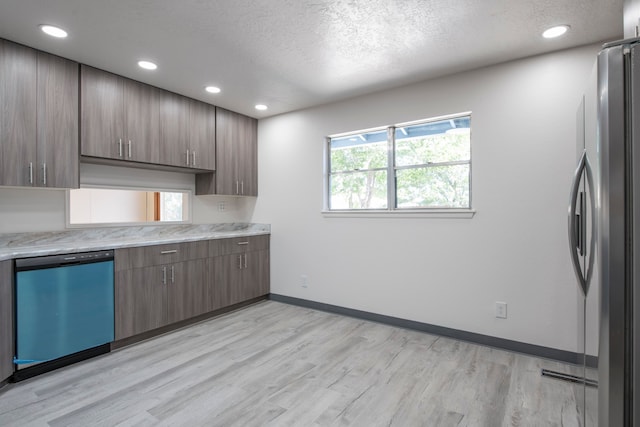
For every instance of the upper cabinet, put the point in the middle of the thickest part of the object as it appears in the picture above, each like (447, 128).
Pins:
(57, 148)
(141, 121)
(120, 117)
(174, 130)
(236, 153)
(202, 135)
(127, 120)
(39, 119)
(101, 114)
(120, 120)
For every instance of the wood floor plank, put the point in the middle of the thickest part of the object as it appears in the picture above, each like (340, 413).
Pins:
(272, 364)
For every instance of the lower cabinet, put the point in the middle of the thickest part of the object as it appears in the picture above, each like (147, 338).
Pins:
(140, 301)
(238, 270)
(159, 285)
(238, 278)
(6, 319)
(187, 291)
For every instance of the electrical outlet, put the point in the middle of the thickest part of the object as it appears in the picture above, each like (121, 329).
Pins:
(501, 310)
(221, 207)
(304, 281)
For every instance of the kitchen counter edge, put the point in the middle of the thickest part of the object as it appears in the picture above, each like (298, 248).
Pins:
(89, 246)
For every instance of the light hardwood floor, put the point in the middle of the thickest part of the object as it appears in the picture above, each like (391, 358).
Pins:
(273, 364)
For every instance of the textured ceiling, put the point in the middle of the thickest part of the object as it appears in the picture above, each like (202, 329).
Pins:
(292, 54)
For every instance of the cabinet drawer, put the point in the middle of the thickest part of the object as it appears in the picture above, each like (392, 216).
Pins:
(237, 245)
(170, 253)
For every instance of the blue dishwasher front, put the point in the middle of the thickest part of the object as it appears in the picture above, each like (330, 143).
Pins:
(64, 305)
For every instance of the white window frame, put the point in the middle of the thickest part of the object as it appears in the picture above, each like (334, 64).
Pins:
(391, 210)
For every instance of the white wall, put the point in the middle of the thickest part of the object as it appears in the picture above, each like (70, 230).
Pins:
(631, 17)
(28, 209)
(446, 272)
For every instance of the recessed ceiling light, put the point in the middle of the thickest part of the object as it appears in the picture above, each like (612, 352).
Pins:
(147, 65)
(554, 32)
(212, 89)
(53, 31)
(261, 107)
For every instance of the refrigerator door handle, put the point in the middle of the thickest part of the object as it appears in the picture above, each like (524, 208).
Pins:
(573, 230)
(592, 211)
(577, 223)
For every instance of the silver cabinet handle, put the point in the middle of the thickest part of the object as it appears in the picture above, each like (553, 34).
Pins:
(31, 173)
(173, 251)
(243, 243)
(129, 148)
(584, 278)
(237, 187)
(187, 157)
(120, 147)
(240, 262)
(164, 275)
(173, 276)
(242, 187)
(193, 158)
(44, 174)
(245, 260)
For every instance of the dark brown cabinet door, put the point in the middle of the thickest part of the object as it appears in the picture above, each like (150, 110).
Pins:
(126, 120)
(235, 277)
(17, 114)
(263, 273)
(6, 320)
(239, 270)
(225, 281)
(57, 112)
(226, 178)
(236, 154)
(140, 300)
(255, 280)
(174, 132)
(217, 287)
(202, 135)
(142, 122)
(238, 277)
(186, 290)
(101, 114)
(247, 155)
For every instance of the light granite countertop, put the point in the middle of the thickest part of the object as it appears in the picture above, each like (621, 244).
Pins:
(22, 245)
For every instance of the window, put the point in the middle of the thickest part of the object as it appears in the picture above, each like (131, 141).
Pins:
(126, 206)
(420, 165)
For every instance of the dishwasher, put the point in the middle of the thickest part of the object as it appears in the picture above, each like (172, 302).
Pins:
(64, 310)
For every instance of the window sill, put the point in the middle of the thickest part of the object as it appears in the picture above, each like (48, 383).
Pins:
(416, 213)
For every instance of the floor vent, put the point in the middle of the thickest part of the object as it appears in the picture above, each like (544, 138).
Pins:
(568, 377)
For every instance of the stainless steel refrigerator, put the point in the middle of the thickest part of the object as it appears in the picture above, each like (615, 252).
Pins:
(604, 232)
